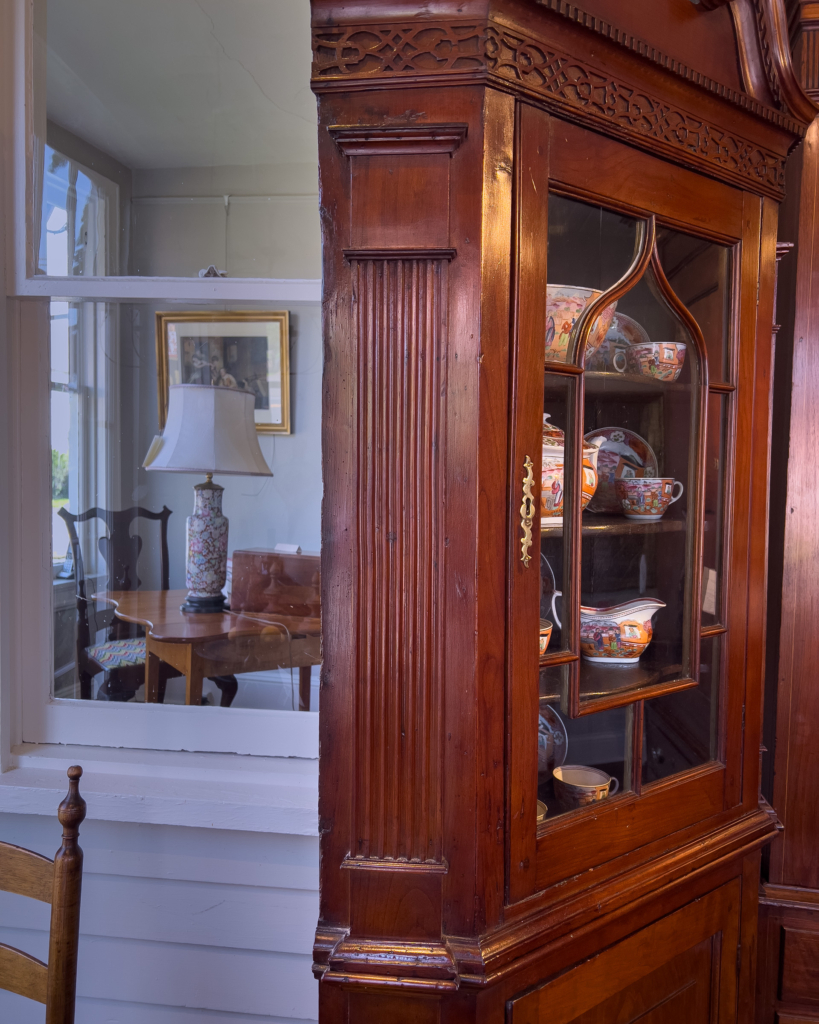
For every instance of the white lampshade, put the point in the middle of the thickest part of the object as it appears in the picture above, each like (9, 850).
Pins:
(208, 430)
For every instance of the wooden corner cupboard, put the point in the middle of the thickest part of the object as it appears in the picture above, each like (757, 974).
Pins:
(788, 973)
(549, 265)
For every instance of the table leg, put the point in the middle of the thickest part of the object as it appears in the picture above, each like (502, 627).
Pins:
(151, 676)
(304, 687)
(194, 677)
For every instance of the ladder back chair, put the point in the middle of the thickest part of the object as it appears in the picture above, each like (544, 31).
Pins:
(57, 882)
(122, 655)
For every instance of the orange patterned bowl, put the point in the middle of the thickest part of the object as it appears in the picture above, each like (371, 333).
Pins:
(564, 304)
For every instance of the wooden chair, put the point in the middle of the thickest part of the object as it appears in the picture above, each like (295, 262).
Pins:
(57, 882)
(122, 655)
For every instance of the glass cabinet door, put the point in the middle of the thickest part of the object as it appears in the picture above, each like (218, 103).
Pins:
(632, 499)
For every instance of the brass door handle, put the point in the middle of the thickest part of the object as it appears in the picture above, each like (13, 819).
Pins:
(527, 512)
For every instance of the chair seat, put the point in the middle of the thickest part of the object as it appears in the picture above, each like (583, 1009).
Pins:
(118, 653)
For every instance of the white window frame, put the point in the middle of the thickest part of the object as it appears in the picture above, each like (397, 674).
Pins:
(28, 713)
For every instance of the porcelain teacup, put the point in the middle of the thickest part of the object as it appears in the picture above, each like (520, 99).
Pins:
(661, 359)
(646, 499)
(578, 786)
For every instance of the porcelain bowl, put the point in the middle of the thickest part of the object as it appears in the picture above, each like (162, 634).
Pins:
(564, 304)
(662, 360)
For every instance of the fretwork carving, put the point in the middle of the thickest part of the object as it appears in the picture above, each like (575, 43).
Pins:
(577, 84)
(374, 50)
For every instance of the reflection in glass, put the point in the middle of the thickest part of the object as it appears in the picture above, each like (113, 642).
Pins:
(589, 250)
(638, 534)
(699, 271)
(715, 470)
(79, 219)
(597, 742)
(681, 728)
(555, 504)
(104, 414)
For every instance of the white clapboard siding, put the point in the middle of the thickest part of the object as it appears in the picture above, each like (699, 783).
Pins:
(178, 924)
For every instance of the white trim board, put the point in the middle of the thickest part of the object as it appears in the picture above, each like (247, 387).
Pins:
(174, 727)
(226, 791)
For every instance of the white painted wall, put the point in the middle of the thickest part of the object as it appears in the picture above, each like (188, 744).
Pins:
(178, 924)
(263, 512)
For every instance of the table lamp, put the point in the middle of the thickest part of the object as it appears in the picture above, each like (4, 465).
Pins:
(208, 430)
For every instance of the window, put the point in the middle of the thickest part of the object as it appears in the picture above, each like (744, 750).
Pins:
(172, 170)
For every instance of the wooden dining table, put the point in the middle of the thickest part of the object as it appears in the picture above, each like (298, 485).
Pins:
(205, 645)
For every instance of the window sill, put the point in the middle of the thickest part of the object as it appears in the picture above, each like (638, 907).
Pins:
(226, 791)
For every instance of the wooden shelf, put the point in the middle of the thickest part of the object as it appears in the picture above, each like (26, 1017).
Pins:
(604, 682)
(594, 524)
(633, 385)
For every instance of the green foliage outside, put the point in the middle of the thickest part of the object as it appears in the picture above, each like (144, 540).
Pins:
(59, 477)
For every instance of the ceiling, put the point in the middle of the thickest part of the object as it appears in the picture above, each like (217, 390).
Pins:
(184, 83)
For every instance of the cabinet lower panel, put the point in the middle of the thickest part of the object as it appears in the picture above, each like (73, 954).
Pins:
(788, 972)
(679, 969)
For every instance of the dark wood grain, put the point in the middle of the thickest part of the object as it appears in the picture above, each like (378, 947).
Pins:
(441, 132)
(620, 984)
(787, 988)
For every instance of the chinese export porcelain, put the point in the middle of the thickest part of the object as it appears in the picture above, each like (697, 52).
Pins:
(552, 740)
(551, 477)
(545, 635)
(646, 499)
(662, 360)
(564, 304)
(616, 635)
(578, 786)
(612, 354)
(623, 455)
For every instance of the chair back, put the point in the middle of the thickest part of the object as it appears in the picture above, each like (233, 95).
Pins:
(59, 883)
(119, 549)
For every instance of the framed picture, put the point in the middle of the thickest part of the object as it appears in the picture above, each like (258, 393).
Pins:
(247, 351)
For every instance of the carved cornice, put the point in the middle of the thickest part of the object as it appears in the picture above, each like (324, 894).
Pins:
(421, 53)
(773, 32)
(578, 85)
(370, 50)
(644, 49)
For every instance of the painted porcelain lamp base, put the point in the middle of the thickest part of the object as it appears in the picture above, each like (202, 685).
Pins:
(209, 430)
(206, 548)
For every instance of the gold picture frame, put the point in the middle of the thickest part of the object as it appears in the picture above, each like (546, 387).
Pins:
(227, 348)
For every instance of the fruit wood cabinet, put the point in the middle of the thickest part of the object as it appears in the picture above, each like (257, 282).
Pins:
(549, 256)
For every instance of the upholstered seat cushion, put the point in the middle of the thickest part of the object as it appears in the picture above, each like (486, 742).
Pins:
(118, 653)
